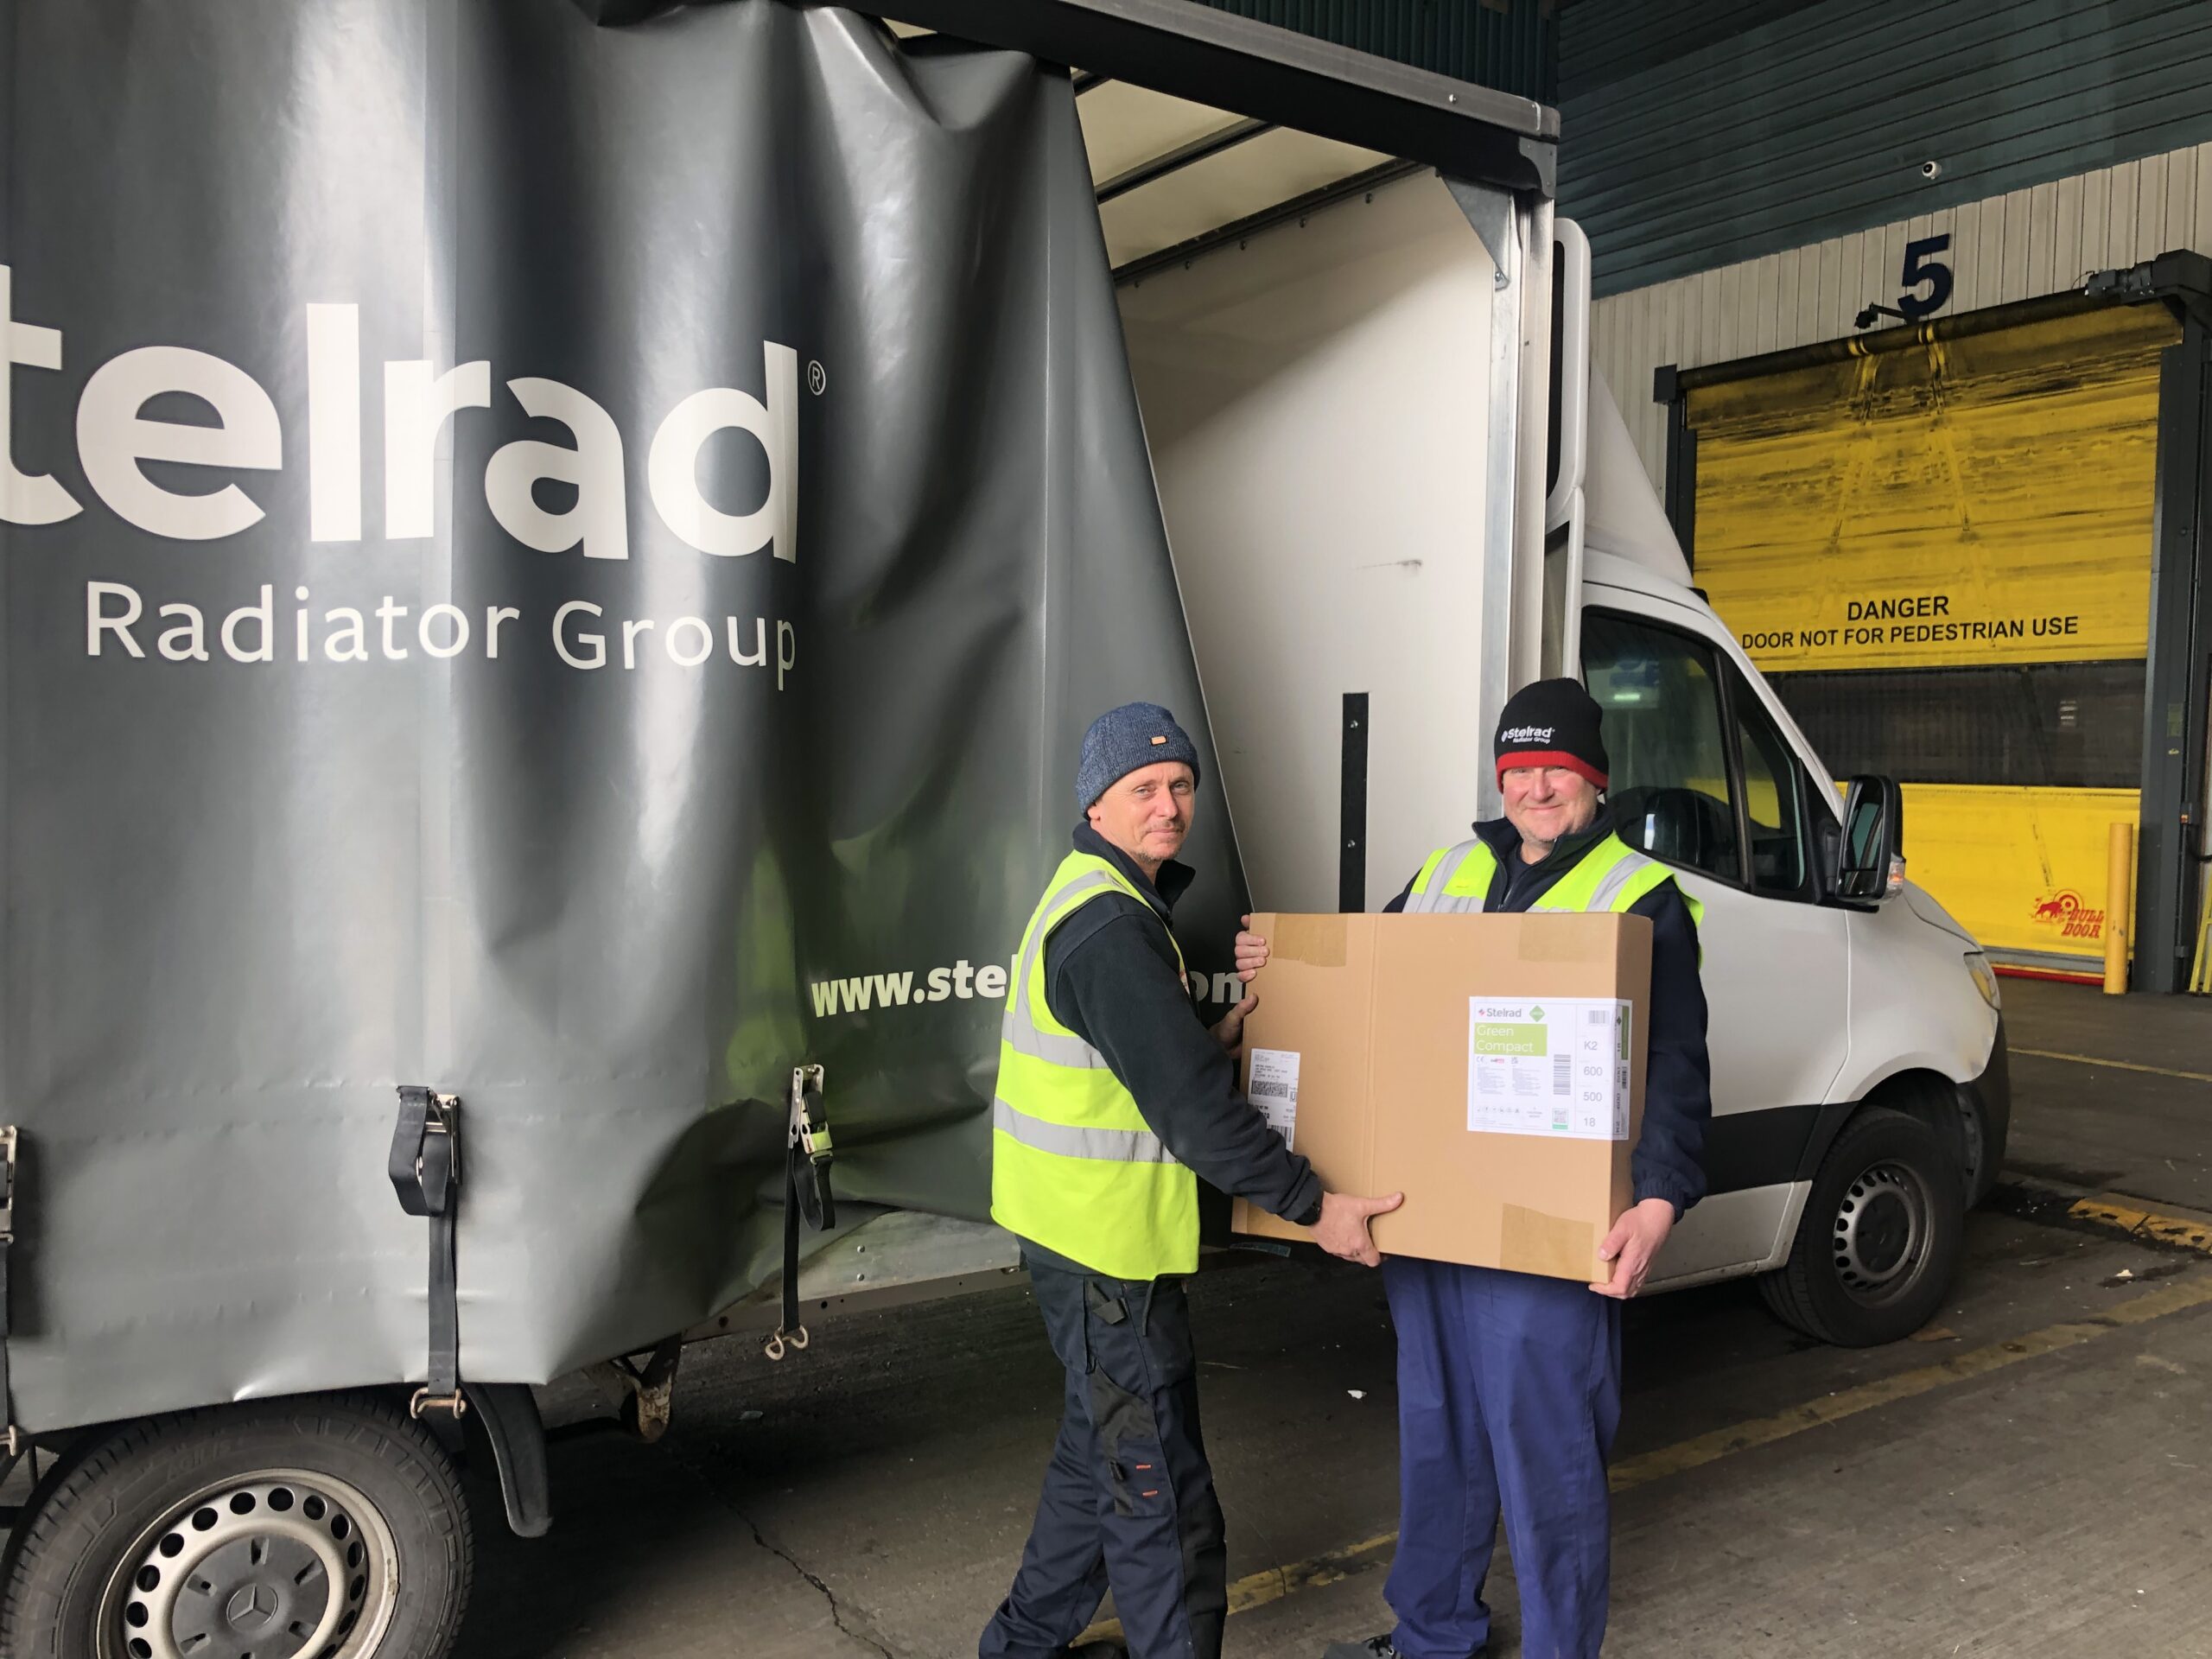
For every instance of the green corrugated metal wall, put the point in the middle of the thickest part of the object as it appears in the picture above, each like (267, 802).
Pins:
(1815, 123)
(1508, 44)
(1615, 39)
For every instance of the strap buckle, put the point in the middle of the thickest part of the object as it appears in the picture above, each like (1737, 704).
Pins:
(455, 1404)
(812, 1150)
(810, 1132)
(8, 1184)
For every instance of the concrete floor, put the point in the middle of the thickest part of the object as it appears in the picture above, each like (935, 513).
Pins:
(2080, 1119)
(2026, 1476)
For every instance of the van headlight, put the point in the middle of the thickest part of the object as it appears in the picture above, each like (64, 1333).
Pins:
(1984, 980)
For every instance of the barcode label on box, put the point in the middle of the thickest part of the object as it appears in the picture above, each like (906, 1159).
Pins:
(1548, 1065)
(1272, 1087)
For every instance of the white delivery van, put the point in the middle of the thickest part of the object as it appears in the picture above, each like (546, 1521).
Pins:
(1313, 398)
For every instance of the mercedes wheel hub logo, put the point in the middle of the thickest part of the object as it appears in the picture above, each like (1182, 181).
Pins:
(252, 1608)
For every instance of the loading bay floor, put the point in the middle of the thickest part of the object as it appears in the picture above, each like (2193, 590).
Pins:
(2027, 1477)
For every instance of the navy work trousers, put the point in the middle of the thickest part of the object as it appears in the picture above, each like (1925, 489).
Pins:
(1509, 1394)
(1129, 1497)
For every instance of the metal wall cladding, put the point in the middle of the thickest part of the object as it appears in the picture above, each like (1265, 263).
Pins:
(2027, 242)
(1817, 124)
(1601, 41)
(1512, 45)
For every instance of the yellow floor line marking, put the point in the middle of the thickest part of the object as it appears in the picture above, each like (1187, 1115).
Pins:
(2117, 1066)
(1905, 1385)
(1273, 1584)
(1276, 1582)
(2146, 1224)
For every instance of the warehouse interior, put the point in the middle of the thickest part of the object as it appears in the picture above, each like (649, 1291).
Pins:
(1905, 314)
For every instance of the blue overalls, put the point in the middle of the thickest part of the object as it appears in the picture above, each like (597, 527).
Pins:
(1509, 1392)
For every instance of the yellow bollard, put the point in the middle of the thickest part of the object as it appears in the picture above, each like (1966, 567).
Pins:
(2119, 914)
(2200, 982)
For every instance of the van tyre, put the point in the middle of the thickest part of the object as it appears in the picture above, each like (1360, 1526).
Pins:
(1881, 1237)
(283, 1530)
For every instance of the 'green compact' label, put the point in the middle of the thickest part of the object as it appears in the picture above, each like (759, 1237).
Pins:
(1510, 1039)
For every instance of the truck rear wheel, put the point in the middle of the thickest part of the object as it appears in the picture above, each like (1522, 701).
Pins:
(1881, 1237)
(317, 1528)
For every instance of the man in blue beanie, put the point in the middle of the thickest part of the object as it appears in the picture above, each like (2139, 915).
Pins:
(1114, 1100)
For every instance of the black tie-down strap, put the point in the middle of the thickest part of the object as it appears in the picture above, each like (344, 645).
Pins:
(426, 1173)
(807, 1158)
(15, 1443)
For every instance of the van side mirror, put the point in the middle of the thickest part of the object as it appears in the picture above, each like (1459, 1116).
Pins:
(1869, 855)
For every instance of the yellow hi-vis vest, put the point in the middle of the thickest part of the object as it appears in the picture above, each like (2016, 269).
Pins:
(1612, 875)
(1073, 1167)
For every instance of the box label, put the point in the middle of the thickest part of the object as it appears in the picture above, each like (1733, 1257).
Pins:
(1274, 1089)
(1554, 1066)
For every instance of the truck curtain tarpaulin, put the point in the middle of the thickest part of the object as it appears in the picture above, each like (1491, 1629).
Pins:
(527, 547)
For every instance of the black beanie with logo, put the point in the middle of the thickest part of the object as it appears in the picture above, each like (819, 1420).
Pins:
(1553, 723)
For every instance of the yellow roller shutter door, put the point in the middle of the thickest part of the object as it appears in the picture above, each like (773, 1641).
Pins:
(1928, 522)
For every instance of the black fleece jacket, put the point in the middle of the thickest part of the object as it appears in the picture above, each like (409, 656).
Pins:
(1110, 977)
(1668, 1161)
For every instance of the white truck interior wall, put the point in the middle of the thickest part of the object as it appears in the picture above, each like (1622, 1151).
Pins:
(1315, 405)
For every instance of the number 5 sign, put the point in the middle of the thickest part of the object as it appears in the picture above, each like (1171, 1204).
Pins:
(1922, 267)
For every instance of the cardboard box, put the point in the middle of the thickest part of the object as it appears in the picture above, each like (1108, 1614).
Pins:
(1489, 1067)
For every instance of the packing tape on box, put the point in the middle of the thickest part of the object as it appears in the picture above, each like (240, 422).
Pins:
(1317, 940)
(1532, 1242)
(1559, 938)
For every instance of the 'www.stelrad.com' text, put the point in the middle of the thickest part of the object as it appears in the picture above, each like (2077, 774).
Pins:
(963, 981)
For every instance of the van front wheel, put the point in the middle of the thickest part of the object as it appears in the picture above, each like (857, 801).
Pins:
(285, 1529)
(1881, 1236)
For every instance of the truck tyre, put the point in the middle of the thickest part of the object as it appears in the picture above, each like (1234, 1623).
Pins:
(1881, 1237)
(282, 1529)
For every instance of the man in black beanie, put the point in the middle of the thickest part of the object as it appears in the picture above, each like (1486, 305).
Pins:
(1509, 1384)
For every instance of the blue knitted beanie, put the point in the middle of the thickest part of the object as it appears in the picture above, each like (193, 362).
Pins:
(1121, 741)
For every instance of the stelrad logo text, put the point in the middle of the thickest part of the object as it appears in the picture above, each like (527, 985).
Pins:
(116, 439)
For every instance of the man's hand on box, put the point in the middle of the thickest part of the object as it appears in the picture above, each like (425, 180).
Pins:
(1251, 953)
(1636, 1238)
(1342, 1230)
(1229, 1033)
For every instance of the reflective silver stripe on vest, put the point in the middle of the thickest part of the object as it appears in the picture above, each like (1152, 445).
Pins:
(1616, 878)
(1018, 1026)
(1433, 900)
(1020, 1032)
(1065, 1141)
